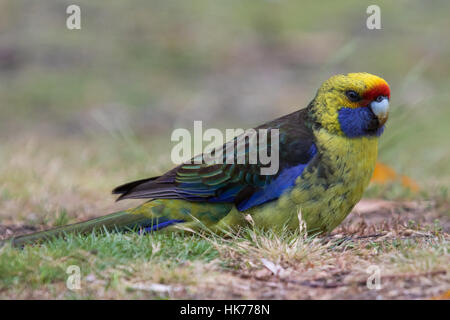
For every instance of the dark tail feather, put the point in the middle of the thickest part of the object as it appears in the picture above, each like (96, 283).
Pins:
(126, 188)
(119, 221)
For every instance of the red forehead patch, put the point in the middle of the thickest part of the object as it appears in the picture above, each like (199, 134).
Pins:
(381, 89)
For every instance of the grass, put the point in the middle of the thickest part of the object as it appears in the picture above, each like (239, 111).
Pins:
(184, 266)
(108, 258)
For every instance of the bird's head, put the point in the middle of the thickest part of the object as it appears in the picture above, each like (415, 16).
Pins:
(354, 105)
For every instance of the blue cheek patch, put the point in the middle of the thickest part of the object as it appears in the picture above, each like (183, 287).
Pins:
(358, 122)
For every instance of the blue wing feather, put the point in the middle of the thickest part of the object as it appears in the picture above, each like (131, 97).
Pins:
(282, 183)
(161, 224)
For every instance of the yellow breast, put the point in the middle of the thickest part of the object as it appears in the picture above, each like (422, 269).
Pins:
(327, 194)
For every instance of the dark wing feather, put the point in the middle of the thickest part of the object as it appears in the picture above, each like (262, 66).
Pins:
(242, 184)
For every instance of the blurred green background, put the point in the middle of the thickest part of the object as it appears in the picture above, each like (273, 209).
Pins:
(102, 101)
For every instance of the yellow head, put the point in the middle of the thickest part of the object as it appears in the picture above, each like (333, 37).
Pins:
(354, 105)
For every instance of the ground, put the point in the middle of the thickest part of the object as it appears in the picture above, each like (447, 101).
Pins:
(412, 256)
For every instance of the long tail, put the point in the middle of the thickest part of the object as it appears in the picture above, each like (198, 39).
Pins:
(119, 221)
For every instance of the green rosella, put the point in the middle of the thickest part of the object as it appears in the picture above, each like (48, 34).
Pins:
(327, 153)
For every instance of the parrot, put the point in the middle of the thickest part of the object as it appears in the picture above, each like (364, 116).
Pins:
(327, 155)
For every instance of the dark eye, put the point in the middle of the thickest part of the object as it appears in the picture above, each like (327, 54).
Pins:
(352, 96)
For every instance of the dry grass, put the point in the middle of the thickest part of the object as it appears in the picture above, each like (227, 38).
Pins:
(262, 265)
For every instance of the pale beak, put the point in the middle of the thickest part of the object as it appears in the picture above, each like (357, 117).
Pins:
(380, 107)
